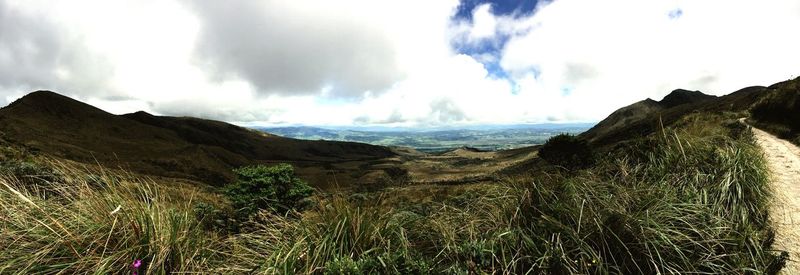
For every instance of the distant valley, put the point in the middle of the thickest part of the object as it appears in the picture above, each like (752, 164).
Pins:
(486, 138)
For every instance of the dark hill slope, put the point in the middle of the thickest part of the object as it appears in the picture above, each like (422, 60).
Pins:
(621, 119)
(181, 147)
(644, 117)
(681, 96)
(778, 111)
(254, 144)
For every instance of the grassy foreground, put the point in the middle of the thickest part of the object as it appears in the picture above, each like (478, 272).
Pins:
(691, 199)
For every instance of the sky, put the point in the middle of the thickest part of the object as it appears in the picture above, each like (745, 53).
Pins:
(412, 63)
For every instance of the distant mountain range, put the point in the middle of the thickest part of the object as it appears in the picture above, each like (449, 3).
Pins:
(479, 127)
(489, 138)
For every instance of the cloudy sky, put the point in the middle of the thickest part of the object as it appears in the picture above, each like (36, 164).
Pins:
(394, 63)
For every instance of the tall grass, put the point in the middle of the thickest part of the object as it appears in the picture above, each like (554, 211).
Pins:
(335, 238)
(692, 205)
(99, 224)
(689, 199)
(692, 199)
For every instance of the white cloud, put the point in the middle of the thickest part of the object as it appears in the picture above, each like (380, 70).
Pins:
(300, 47)
(484, 23)
(612, 53)
(36, 53)
(390, 62)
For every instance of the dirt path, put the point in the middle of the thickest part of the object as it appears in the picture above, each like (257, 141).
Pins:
(783, 159)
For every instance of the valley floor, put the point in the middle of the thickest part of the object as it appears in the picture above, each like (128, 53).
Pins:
(783, 159)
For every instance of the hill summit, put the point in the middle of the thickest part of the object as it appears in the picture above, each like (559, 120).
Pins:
(681, 96)
(644, 116)
(47, 103)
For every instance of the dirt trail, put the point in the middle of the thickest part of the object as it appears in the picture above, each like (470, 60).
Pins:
(783, 159)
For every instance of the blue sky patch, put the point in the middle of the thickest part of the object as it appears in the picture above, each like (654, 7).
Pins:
(494, 46)
(499, 7)
(675, 14)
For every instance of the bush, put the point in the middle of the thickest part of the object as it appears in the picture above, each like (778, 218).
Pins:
(274, 188)
(567, 151)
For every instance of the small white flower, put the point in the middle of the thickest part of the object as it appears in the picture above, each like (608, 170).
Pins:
(119, 207)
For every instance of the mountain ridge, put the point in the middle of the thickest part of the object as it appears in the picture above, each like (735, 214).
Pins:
(647, 115)
(182, 147)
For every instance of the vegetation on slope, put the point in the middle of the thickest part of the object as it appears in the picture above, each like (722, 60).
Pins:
(647, 116)
(689, 199)
(778, 111)
(567, 151)
(179, 147)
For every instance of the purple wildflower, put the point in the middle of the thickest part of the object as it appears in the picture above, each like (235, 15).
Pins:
(135, 266)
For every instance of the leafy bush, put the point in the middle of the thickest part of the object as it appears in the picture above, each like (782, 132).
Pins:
(567, 151)
(274, 188)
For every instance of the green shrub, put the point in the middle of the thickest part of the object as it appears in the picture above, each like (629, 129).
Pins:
(567, 151)
(343, 265)
(387, 263)
(274, 188)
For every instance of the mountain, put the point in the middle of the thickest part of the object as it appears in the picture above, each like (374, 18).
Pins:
(622, 118)
(681, 96)
(645, 116)
(179, 147)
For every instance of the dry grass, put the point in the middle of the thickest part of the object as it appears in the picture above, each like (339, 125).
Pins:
(687, 200)
(99, 222)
